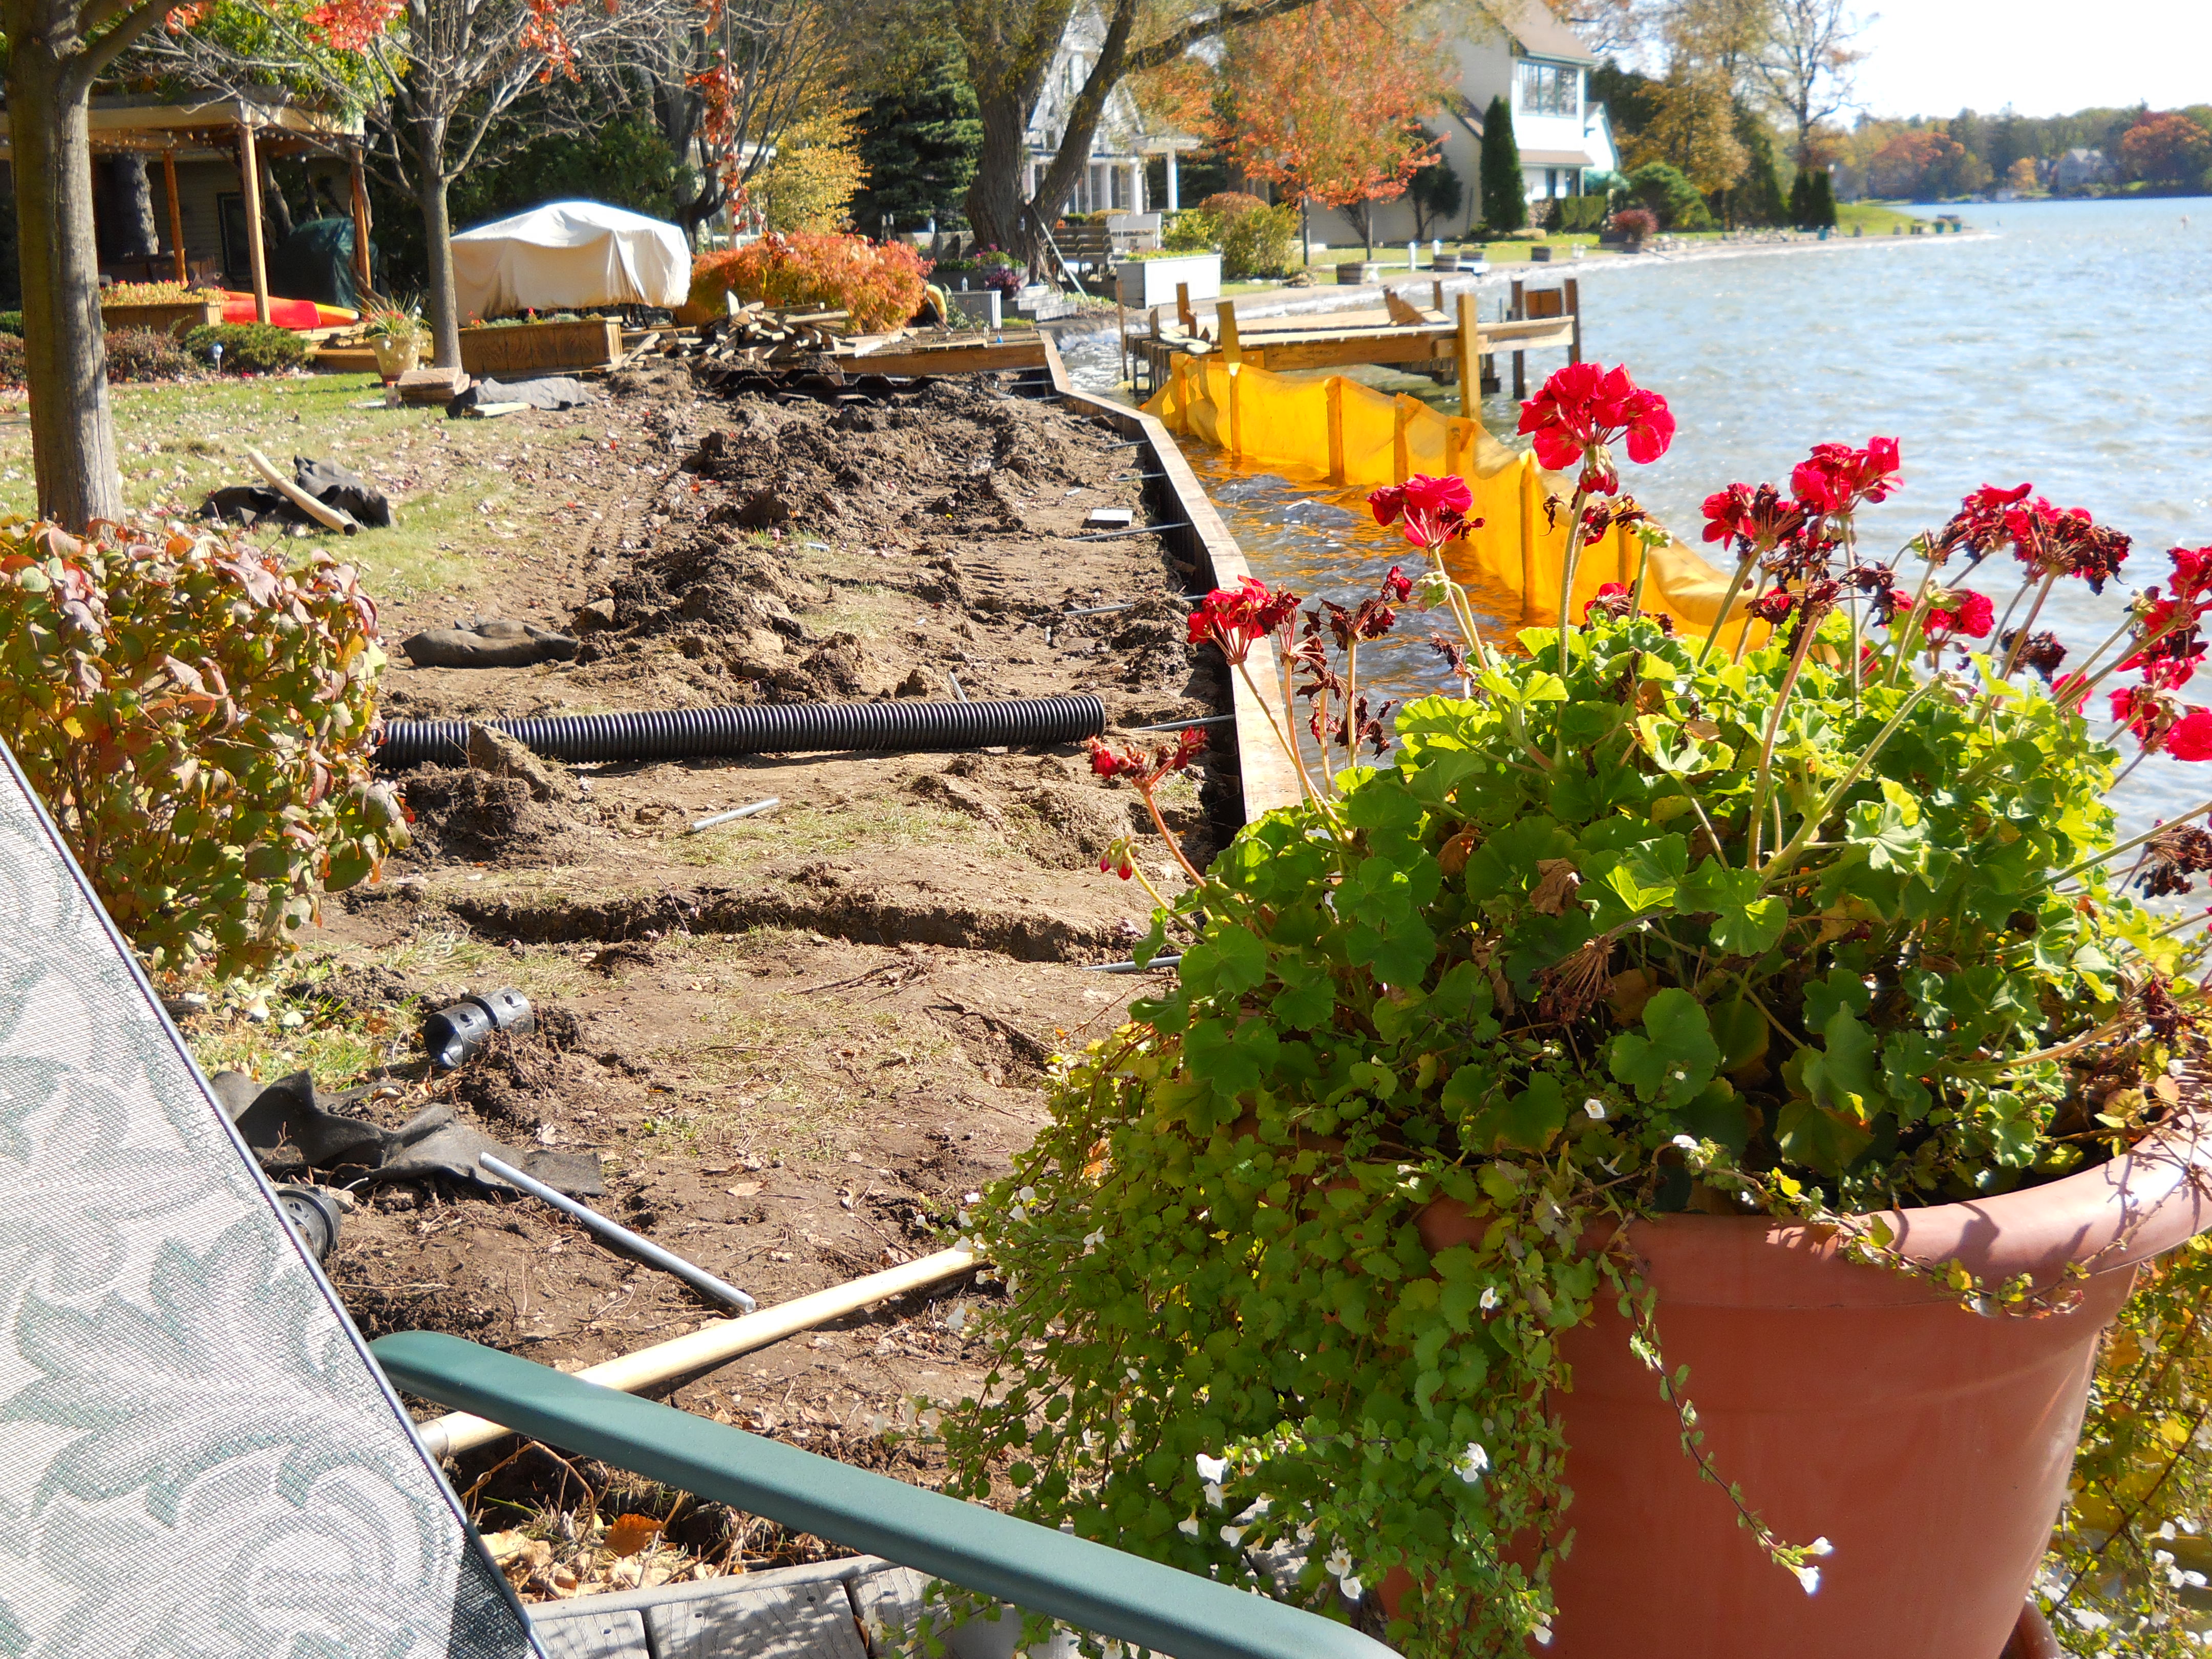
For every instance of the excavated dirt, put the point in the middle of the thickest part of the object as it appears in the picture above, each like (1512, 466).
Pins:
(797, 1042)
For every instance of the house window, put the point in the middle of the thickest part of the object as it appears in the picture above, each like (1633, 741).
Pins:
(1550, 88)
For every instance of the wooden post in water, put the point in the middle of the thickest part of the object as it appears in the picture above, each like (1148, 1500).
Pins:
(1520, 358)
(1436, 297)
(1467, 349)
(1335, 393)
(1225, 323)
(1574, 292)
(1183, 313)
(1401, 461)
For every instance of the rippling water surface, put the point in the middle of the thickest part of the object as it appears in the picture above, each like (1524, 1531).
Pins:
(2071, 346)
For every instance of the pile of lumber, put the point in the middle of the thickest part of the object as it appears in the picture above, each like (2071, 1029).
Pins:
(756, 337)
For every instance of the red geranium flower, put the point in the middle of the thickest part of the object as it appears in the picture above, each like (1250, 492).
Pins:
(1962, 611)
(1397, 586)
(1582, 410)
(2190, 737)
(1611, 599)
(1434, 509)
(1234, 618)
(1836, 478)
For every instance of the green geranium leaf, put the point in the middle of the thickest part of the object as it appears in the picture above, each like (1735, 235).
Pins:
(1818, 1139)
(1673, 1061)
(1524, 1123)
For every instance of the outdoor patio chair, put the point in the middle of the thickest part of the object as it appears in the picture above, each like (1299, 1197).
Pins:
(198, 1458)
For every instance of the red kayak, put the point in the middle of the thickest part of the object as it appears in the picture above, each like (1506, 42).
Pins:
(299, 315)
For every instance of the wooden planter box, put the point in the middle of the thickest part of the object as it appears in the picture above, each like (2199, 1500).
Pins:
(523, 348)
(172, 318)
(1354, 273)
(1144, 284)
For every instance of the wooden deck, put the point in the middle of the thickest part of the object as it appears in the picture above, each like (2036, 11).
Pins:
(850, 1609)
(1431, 340)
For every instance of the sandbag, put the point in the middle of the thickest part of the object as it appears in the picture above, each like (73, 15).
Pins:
(495, 642)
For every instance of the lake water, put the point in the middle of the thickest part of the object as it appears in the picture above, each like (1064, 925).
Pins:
(2071, 346)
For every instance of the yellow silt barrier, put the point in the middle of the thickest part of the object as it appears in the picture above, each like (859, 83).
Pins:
(1348, 434)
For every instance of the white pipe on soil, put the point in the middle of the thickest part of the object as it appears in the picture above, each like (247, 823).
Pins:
(718, 1343)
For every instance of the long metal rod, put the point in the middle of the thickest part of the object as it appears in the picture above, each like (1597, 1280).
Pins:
(644, 1249)
(1134, 530)
(1130, 966)
(1184, 726)
(1130, 604)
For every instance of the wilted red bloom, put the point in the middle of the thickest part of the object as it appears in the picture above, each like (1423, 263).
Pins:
(1142, 768)
(1234, 618)
(2172, 858)
(1987, 519)
(2072, 543)
(1757, 519)
(1582, 410)
(2165, 1017)
(1836, 478)
(2138, 709)
(1611, 599)
(1434, 509)
(1397, 586)
(1774, 606)
(2040, 651)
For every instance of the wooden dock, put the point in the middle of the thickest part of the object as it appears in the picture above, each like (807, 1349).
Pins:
(1445, 345)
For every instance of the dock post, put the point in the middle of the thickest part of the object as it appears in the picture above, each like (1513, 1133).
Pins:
(1183, 313)
(1520, 358)
(1436, 297)
(1225, 315)
(1467, 348)
(1335, 385)
(1122, 322)
(1401, 417)
(1574, 296)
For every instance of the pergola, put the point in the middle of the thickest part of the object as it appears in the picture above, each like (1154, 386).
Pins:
(247, 128)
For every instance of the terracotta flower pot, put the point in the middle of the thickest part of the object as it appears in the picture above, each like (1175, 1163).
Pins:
(1930, 1445)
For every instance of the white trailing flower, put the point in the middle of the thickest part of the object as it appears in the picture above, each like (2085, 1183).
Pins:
(1233, 1536)
(1093, 1239)
(1187, 1528)
(1027, 1196)
(1338, 1563)
(1594, 1108)
(1688, 1143)
(1212, 1469)
(1489, 1298)
(1809, 1578)
(1213, 1494)
(1473, 1464)
(1542, 1636)
(1819, 1547)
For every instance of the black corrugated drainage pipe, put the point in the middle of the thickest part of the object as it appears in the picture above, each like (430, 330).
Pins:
(902, 726)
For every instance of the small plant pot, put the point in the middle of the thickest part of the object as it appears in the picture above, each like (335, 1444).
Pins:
(396, 354)
(1861, 1404)
(1446, 264)
(1540, 253)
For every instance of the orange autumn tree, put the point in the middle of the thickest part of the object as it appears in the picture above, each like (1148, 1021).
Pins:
(1327, 104)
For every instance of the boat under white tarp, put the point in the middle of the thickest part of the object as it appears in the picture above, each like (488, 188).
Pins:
(567, 254)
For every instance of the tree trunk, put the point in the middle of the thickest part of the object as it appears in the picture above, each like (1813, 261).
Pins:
(430, 182)
(64, 351)
(994, 199)
(132, 194)
(276, 211)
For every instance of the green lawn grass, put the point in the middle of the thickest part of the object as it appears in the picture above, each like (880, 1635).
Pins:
(454, 500)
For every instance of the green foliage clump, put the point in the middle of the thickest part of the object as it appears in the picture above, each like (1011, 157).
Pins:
(1631, 928)
(1756, 200)
(1664, 188)
(1193, 230)
(1436, 194)
(1255, 238)
(1504, 191)
(11, 322)
(1581, 214)
(196, 712)
(247, 348)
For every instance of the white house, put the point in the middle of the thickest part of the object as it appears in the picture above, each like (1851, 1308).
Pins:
(1541, 68)
(1115, 180)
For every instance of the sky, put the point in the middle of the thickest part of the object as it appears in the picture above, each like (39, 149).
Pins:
(2042, 57)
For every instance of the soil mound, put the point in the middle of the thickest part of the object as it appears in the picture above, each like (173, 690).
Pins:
(462, 813)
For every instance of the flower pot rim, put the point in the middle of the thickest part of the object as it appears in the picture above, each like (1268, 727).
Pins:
(2109, 1219)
